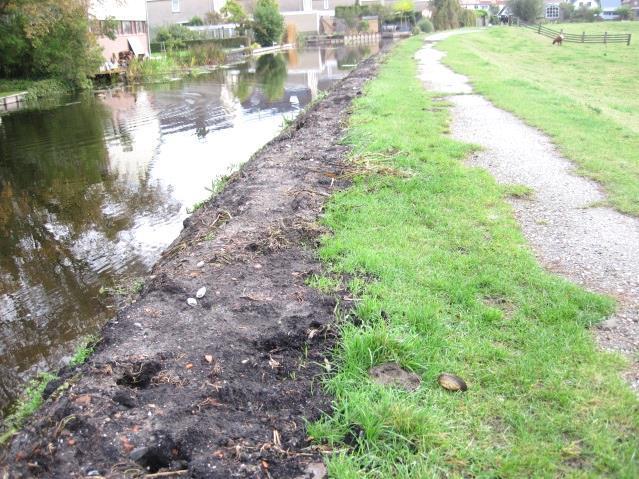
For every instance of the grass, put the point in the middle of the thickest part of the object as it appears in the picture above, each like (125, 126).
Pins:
(217, 185)
(447, 283)
(583, 96)
(31, 398)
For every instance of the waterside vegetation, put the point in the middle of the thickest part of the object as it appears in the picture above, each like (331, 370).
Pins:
(33, 395)
(443, 281)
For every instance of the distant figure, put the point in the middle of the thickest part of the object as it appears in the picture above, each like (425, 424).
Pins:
(558, 39)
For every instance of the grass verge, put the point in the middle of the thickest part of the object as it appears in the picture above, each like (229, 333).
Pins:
(35, 88)
(32, 396)
(457, 290)
(582, 95)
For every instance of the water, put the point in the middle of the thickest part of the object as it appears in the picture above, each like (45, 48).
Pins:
(94, 188)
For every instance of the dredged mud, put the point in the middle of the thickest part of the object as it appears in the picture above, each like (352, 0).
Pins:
(221, 389)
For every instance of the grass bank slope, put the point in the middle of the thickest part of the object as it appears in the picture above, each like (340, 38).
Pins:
(583, 96)
(447, 283)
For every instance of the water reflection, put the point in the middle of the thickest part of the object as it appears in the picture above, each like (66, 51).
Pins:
(93, 189)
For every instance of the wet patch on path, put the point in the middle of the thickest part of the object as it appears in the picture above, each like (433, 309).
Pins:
(221, 388)
(594, 246)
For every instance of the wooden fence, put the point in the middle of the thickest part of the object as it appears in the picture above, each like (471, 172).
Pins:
(577, 38)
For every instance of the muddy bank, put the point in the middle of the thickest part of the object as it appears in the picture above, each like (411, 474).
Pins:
(222, 388)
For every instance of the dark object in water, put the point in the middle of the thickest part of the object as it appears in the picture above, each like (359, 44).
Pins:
(450, 382)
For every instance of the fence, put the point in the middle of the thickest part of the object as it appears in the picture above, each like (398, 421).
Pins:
(576, 38)
(234, 42)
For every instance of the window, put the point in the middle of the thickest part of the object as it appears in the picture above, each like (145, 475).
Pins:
(325, 4)
(127, 27)
(552, 11)
(175, 6)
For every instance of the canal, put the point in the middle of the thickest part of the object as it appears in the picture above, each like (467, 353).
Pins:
(93, 188)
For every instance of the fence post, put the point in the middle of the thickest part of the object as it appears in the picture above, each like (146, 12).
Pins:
(629, 36)
(539, 29)
(583, 36)
(605, 37)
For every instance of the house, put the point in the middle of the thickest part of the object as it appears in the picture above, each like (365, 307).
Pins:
(132, 33)
(475, 4)
(308, 15)
(609, 9)
(166, 12)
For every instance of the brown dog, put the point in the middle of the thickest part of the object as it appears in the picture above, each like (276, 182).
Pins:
(558, 39)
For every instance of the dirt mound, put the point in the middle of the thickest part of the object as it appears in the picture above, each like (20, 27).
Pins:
(219, 389)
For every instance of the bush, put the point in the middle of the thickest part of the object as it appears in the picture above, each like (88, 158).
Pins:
(174, 36)
(268, 23)
(415, 31)
(425, 25)
(196, 22)
(526, 10)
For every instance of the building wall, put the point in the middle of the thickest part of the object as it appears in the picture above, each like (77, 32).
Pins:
(132, 18)
(161, 11)
(305, 22)
(121, 43)
(118, 9)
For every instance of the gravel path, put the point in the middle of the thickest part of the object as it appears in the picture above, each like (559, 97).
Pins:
(590, 245)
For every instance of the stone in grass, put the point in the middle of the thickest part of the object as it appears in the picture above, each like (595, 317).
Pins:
(200, 292)
(192, 302)
(391, 374)
(450, 382)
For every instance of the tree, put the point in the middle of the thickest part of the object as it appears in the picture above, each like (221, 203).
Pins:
(47, 39)
(566, 10)
(526, 10)
(268, 23)
(445, 14)
(624, 12)
(233, 12)
(467, 18)
(404, 8)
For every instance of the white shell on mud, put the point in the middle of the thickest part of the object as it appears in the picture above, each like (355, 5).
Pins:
(192, 301)
(200, 292)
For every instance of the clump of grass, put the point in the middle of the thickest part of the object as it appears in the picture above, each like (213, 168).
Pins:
(84, 350)
(325, 284)
(217, 185)
(125, 288)
(457, 290)
(29, 403)
(518, 191)
(32, 397)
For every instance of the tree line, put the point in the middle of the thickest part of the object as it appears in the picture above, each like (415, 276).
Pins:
(47, 39)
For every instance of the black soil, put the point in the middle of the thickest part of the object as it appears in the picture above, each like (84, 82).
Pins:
(221, 389)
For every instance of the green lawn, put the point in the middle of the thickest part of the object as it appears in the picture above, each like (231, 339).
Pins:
(585, 97)
(446, 282)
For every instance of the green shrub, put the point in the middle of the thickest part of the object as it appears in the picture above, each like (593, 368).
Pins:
(268, 23)
(196, 21)
(425, 25)
(175, 36)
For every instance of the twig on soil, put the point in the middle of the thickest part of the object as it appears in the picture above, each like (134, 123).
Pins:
(297, 192)
(180, 472)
